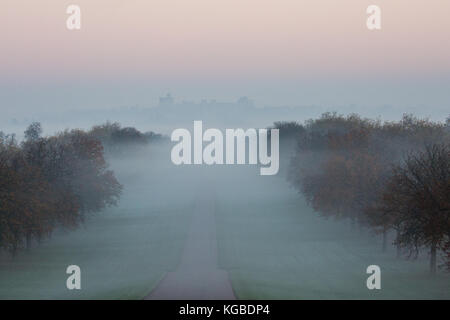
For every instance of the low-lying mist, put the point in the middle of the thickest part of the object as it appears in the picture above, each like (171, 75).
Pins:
(260, 230)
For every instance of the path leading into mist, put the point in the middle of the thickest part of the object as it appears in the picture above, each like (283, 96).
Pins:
(198, 276)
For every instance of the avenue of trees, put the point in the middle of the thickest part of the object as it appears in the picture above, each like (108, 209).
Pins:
(390, 177)
(50, 182)
(116, 139)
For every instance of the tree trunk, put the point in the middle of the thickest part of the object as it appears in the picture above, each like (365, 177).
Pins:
(397, 244)
(360, 228)
(14, 250)
(433, 258)
(384, 240)
(353, 223)
(14, 245)
(28, 240)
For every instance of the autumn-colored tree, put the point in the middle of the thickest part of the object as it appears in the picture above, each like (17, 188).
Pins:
(75, 163)
(116, 139)
(24, 207)
(335, 166)
(50, 182)
(342, 164)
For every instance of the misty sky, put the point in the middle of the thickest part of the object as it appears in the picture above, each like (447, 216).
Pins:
(285, 52)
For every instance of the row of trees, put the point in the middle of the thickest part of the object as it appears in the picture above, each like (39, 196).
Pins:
(116, 139)
(380, 175)
(50, 182)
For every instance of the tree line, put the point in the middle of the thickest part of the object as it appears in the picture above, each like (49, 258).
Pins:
(390, 177)
(116, 139)
(57, 181)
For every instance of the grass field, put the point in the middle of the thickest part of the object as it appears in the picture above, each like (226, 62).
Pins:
(122, 252)
(271, 243)
(275, 247)
(120, 256)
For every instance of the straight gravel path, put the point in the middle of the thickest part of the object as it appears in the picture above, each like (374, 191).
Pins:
(198, 276)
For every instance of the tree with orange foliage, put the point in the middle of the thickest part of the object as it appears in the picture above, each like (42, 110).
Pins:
(50, 182)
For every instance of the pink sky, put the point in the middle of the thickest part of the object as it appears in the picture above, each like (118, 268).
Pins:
(223, 38)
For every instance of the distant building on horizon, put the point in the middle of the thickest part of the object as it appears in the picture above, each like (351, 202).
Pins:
(166, 101)
(245, 101)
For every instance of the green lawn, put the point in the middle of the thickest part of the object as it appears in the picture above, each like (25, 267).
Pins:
(275, 247)
(271, 243)
(120, 257)
(122, 252)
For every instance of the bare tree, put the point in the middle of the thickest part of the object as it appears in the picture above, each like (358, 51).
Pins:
(419, 195)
